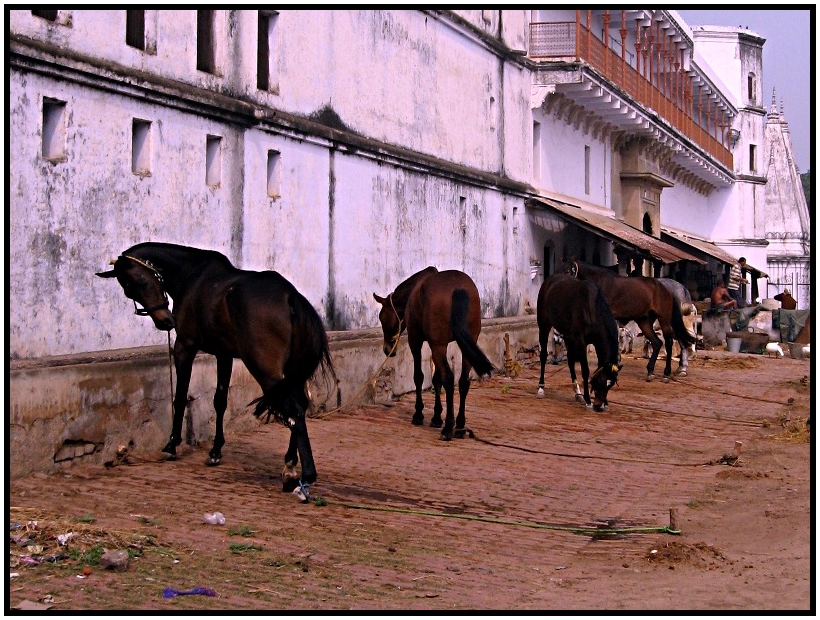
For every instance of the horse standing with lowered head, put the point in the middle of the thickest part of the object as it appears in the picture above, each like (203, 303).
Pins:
(256, 316)
(643, 300)
(578, 310)
(437, 307)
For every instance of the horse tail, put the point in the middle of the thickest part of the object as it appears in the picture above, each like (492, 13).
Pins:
(309, 343)
(683, 335)
(309, 356)
(458, 324)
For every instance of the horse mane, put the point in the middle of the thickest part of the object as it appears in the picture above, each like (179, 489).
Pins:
(199, 254)
(402, 292)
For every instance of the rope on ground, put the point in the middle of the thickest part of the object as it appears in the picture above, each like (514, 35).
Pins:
(584, 456)
(366, 385)
(587, 530)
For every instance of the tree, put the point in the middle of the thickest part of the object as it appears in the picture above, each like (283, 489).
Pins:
(805, 178)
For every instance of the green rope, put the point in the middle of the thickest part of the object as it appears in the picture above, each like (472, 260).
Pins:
(592, 531)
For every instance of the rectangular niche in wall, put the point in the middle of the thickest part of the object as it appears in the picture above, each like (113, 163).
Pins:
(141, 147)
(213, 161)
(274, 174)
(54, 130)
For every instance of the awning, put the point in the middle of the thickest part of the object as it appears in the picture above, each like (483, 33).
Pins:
(708, 248)
(616, 231)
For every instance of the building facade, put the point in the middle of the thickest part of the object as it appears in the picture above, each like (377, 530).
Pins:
(348, 149)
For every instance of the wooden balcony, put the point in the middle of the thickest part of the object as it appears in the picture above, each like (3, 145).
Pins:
(651, 75)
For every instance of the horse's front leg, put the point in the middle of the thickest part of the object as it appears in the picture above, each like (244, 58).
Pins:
(224, 367)
(418, 379)
(585, 375)
(463, 388)
(572, 358)
(183, 362)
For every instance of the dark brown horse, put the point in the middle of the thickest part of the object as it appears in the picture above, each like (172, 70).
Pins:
(640, 299)
(578, 309)
(437, 307)
(258, 317)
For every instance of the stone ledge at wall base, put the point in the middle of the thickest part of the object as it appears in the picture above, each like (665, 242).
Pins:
(82, 409)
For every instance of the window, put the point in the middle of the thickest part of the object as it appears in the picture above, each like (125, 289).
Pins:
(752, 88)
(492, 113)
(213, 161)
(752, 154)
(135, 28)
(586, 169)
(274, 174)
(141, 147)
(54, 132)
(266, 50)
(536, 151)
(49, 14)
(205, 43)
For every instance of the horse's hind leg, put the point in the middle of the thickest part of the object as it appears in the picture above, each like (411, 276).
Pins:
(418, 379)
(649, 334)
(224, 366)
(290, 477)
(543, 339)
(439, 354)
(436, 422)
(668, 340)
(463, 388)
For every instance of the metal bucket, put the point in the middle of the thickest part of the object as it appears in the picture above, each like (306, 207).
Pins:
(733, 343)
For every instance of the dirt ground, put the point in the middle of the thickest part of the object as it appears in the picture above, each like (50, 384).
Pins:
(549, 506)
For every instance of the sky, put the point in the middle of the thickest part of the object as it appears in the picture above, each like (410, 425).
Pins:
(787, 64)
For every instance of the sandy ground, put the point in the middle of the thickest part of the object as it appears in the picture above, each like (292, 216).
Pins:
(550, 506)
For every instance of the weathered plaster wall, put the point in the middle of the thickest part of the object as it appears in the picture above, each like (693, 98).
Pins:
(70, 410)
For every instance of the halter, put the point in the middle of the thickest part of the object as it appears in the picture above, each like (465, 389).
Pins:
(150, 266)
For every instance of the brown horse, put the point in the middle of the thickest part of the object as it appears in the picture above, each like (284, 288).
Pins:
(257, 316)
(640, 299)
(578, 310)
(437, 307)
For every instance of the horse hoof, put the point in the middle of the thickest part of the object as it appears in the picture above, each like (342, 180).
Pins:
(418, 420)
(211, 461)
(436, 423)
(666, 378)
(540, 393)
(580, 399)
(446, 436)
(460, 433)
(289, 484)
(649, 378)
(682, 373)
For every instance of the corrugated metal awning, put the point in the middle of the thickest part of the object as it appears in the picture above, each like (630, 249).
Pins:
(618, 232)
(708, 248)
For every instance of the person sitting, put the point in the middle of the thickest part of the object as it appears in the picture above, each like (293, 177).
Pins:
(721, 298)
(787, 302)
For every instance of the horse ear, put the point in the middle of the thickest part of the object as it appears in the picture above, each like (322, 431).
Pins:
(381, 300)
(107, 274)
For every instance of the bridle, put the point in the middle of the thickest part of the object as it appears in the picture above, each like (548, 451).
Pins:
(150, 266)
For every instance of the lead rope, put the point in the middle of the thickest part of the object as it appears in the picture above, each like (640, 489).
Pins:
(375, 374)
(171, 373)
